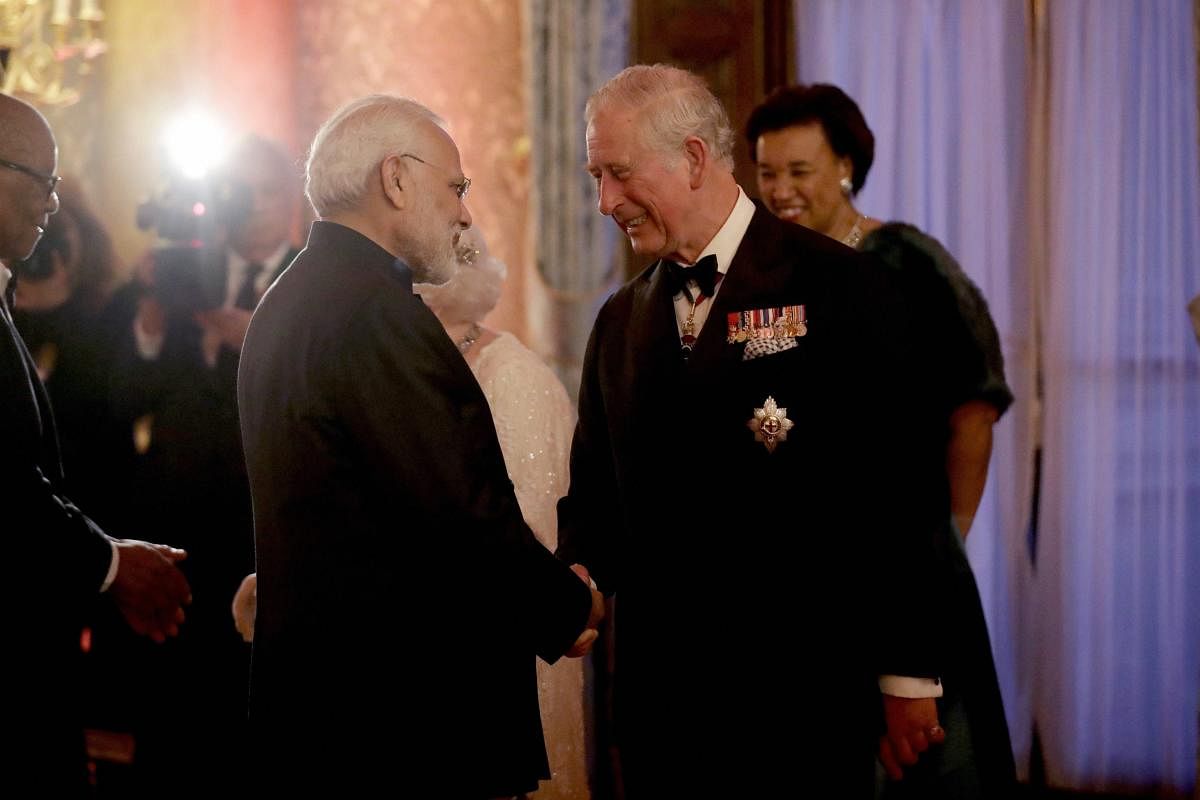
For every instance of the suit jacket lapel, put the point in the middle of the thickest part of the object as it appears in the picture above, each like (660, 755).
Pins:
(655, 325)
(40, 415)
(752, 274)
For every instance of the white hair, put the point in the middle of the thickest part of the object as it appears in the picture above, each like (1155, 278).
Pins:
(474, 287)
(676, 104)
(351, 145)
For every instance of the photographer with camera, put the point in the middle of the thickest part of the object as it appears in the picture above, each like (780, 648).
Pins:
(179, 377)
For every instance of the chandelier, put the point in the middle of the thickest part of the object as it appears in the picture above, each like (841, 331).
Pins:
(46, 51)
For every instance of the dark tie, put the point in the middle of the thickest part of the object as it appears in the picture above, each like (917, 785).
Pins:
(247, 296)
(704, 273)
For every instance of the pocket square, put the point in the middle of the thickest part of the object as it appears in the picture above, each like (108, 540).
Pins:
(757, 348)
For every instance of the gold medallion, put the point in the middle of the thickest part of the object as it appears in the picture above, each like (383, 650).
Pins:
(770, 424)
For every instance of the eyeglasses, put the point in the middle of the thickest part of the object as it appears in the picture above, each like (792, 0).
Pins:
(460, 187)
(51, 181)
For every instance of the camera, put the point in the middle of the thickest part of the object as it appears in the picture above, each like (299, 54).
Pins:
(192, 216)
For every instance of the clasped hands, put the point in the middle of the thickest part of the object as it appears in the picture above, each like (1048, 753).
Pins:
(583, 645)
(149, 589)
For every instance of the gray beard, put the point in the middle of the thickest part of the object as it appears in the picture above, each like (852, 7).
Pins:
(436, 274)
(434, 267)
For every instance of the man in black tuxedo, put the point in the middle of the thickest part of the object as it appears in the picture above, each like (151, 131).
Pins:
(58, 560)
(401, 597)
(737, 477)
(177, 374)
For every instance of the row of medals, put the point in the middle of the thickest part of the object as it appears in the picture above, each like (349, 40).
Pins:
(767, 323)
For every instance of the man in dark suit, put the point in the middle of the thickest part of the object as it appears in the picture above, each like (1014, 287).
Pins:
(401, 597)
(745, 448)
(58, 560)
(177, 374)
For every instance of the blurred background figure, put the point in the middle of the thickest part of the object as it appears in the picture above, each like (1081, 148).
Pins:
(177, 377)
(813, 149)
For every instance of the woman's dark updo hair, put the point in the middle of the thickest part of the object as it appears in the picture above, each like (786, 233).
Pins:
(824, 103)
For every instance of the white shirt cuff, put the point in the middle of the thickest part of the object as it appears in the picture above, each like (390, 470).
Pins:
(148, 347)
(911, 688)
(113, 566)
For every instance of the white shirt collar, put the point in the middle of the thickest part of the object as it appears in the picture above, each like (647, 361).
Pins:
(725, 244)
(236, 270)
(271, 263)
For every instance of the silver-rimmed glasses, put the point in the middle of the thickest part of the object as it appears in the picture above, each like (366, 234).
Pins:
(460, 187)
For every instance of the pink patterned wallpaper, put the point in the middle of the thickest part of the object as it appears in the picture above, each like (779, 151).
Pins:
(464, 60)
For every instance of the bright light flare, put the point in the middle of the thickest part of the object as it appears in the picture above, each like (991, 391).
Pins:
(195, 142)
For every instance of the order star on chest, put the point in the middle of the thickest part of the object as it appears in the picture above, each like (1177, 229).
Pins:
(770, 424)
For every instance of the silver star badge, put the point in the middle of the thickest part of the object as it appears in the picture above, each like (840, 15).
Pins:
(770, 424)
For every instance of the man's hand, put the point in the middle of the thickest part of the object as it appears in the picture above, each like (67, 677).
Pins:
(151, 319)
(583, 645)
(149, 589)
(245, 606)
(227, 324)
(912, 725)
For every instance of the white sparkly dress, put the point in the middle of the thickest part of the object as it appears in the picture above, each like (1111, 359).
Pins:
(534, 422)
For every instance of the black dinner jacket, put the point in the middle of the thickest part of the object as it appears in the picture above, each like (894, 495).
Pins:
(56, 559)
(707, 539)
(401, 597)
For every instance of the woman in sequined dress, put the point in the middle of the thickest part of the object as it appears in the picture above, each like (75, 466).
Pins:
(534, 421)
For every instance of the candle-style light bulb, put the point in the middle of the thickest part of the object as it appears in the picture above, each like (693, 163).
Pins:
(61, 13)
(89, 10)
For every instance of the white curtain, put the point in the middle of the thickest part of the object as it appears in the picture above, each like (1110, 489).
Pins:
(942, 85)
(1053, 147)
(1119, 556)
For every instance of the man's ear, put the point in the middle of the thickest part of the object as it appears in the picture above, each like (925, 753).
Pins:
(695, 151)
(394, 180)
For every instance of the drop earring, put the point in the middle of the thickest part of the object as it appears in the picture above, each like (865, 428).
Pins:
(847, 186)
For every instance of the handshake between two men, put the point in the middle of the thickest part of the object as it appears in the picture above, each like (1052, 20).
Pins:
(245, 605)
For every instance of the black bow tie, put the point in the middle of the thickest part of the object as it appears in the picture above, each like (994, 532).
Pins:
(704, 273)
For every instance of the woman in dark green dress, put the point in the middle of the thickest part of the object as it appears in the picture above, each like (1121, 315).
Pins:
(813, 150)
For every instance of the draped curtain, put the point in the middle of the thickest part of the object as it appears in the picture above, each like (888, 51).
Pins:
(1053, 147)
(1119, 550)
